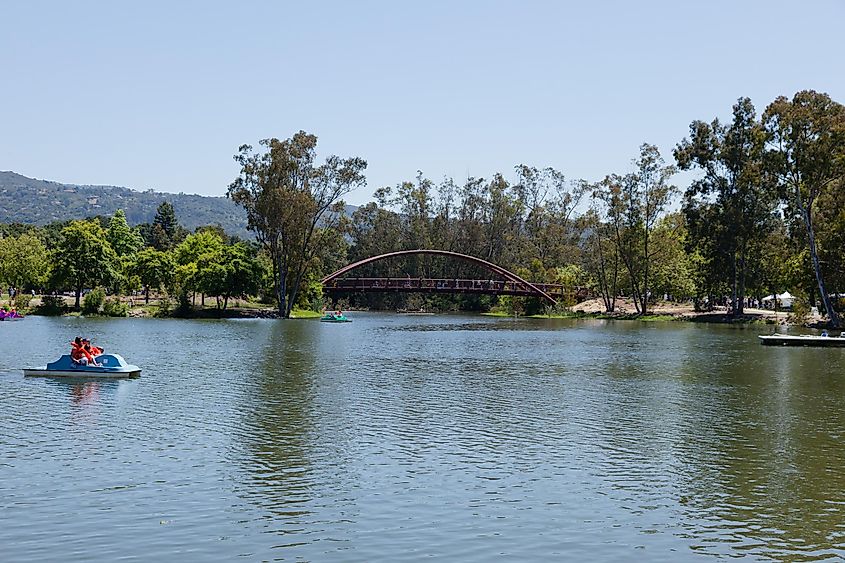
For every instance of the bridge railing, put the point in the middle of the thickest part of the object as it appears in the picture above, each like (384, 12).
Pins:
(436, 284)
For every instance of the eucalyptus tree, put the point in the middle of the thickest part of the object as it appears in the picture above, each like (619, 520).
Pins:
(806, 156)
(633, 203)
(730, 207)
(550, 202)
(287, 197)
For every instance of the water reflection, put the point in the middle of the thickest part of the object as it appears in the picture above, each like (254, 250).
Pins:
(397, 438)
(279, 423)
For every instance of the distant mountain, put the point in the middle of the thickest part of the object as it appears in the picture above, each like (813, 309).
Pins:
(38, 202)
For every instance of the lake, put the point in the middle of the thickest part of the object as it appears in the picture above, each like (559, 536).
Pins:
(402, 438)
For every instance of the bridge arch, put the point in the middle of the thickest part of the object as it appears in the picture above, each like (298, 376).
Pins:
(510, 276)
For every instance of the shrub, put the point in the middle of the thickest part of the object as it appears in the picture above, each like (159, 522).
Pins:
(93, 301)
(114, 307)
(800, 311)
(21, 301)
(51, 306)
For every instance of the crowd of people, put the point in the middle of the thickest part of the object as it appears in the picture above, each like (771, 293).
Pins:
(83, 352)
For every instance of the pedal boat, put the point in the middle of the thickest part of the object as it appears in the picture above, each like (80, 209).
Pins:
(112, 366)
(334, 318)
(803, 340)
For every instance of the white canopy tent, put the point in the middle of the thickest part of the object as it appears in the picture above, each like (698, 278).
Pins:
(785, 299)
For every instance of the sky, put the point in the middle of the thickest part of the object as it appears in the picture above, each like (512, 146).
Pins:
(161, 94)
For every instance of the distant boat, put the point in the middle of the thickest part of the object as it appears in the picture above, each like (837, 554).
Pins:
(10, 315)
(112, 366)
(803, 340)
(336, 317)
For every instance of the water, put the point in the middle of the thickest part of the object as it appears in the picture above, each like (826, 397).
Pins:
(398, 438)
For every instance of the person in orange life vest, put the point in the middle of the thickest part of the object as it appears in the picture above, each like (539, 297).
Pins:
(90, 348)
(79, 354)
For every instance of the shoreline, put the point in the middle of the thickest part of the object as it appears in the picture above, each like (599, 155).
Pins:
(591, 309)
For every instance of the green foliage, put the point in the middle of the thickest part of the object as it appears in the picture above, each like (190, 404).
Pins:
(730, 209)
(84, 258)
(114, 307)
(51, 306)
(633, 204)
(93, 301)
(806, 158)
(124, 240)
(24, 262)
(800, 313)
(287, 197)
(166, 231)
(154, 268)
(21, 301)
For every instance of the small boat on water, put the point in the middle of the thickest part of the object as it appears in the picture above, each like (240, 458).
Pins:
(112, 366)
(10, 315)
(336, 317)
(803, 340)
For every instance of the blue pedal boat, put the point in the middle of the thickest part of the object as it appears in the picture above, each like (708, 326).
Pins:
(112, 366)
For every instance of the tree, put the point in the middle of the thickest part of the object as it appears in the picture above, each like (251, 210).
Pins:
(601, 257)
(806, 157)
(550, 202)
(286, 197)
(165, 231)
(154, 268)
(84, 258)
(123, 239)
(189, 251)
(729, 208)
(24, 262)
(633, 205)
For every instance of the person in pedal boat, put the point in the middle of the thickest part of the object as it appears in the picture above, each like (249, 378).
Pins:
(80, 355)
(93, 350)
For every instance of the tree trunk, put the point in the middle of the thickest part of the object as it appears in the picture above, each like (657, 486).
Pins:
(78, 293)
(147, 294)
(740, 309)
(735, 284)
(808, 221)
(645, 293)
(281, 290)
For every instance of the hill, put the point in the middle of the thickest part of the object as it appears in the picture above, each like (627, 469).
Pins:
(31, 201)
(38, 202)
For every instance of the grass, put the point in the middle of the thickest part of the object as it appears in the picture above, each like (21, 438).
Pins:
(305, 314)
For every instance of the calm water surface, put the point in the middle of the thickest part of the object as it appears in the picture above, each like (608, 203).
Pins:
(399, 438)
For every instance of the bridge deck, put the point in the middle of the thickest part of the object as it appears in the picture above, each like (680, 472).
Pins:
(433, 285)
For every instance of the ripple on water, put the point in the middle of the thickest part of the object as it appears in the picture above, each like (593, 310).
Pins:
(399, 438)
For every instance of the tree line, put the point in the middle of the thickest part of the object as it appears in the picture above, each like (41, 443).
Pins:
(107, 253)
(764, 213)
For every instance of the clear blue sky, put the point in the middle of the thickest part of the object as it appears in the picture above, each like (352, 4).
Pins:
(160, 94)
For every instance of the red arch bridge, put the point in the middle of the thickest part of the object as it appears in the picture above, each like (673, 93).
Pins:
(506, 282)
